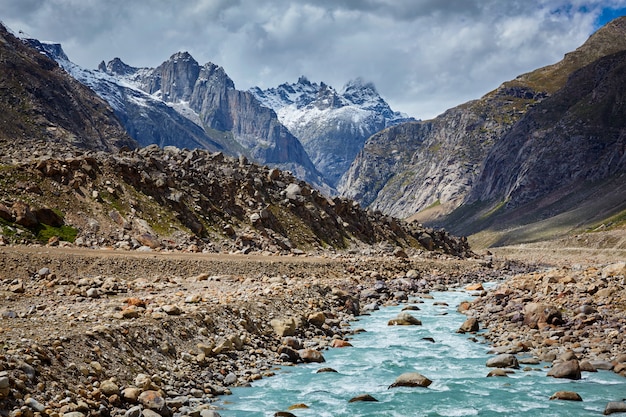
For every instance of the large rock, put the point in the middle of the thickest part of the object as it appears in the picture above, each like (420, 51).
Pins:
(287, 354)
(615, 407)
(504, 360)
(566, 396)
(154, 401)
(469, 326)
(48, 216)
(411, 379)
(109, 388)
(317, 319)
(538, 315)
(24, 215)
(404, 319)
(284, 327)
(363, 398)
(311, 355)
(568, 369)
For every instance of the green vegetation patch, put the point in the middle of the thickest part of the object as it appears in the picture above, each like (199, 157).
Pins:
(44, 232)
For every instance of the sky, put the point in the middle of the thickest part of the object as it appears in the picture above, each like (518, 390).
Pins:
(424, 56)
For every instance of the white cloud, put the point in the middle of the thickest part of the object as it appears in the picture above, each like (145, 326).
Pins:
(423, 55)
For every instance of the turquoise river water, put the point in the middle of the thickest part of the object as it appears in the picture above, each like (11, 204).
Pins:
(455, 364)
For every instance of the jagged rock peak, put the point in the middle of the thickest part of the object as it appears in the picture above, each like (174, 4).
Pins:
(52, 50)
(117, 67)
(183, 56)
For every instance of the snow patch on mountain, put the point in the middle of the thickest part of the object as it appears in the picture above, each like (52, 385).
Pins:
(332, 125)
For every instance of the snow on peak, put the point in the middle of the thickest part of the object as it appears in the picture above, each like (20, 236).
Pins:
(299, 103)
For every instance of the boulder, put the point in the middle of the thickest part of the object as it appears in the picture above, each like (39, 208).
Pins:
(338, 343)
(469, 326)
(411, 379)
(326, 370)
(48, 216)
(109, 388)
(586, 366)
(475, 287)
(209, 413)
(504, 360)
(284, 327)
(363, 398)
(317, 319)
(293, 192)
(153, 400)
(146, 239)
(538, 315)
(311, 355)
(568, 370)
(404, 319)
(497, 372)
(6, 213)
(23, 215)
(566, 396)
(287, 354)
(615, 407)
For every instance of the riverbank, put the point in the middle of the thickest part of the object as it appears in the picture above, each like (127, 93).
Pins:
(112, 333)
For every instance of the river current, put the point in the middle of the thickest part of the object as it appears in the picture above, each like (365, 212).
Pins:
(454, 363)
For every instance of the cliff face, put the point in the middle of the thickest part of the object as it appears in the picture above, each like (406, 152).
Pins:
(40, 102)
(409, 167)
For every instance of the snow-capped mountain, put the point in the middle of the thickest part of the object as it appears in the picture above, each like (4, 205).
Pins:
(332, 125)
(183, 104)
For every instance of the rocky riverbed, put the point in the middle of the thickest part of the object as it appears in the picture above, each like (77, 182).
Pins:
(111, 333)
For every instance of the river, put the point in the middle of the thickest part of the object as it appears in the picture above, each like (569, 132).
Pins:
(454, 363)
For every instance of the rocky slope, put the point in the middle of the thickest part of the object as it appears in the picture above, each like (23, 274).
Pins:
(332, 125)
(432, 166)
(40, 104)
(157, 199)
(565, 155)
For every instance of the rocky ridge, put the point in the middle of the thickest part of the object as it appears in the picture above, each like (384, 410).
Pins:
(157, 199)
(332, 125)
(40, 103)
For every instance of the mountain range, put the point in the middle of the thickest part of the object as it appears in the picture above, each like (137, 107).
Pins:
(182, 103)
(542, 155)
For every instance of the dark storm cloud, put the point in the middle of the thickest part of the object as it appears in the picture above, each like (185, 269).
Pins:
(423, 55)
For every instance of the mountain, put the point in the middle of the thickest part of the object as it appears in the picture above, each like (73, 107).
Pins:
(41, 104)
(332, 125)
(183, 104)
(565, 160)
(467, 155)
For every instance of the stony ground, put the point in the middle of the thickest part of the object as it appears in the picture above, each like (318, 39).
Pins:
(111, 333)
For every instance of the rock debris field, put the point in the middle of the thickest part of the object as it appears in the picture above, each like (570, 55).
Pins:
(112, 333)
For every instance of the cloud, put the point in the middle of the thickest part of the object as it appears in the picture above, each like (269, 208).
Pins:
(424, 56)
